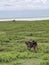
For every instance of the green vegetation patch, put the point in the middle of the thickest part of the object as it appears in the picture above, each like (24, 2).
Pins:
(13, 35)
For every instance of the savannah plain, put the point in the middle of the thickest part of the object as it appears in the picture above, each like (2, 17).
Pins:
(13, 35)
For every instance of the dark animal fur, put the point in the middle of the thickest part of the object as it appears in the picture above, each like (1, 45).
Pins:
(31, 44)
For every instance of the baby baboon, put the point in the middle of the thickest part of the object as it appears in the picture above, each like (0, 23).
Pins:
(31, 44)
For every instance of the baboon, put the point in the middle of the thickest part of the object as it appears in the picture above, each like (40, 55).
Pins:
(31, 44)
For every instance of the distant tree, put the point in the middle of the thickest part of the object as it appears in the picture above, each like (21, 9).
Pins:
(13, 21)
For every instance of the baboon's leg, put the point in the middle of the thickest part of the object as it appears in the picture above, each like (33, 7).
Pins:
(28, 48)
(35, 49)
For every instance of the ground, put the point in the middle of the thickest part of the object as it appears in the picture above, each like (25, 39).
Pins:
(13, 35)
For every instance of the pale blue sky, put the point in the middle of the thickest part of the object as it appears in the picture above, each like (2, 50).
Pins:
(24, 8)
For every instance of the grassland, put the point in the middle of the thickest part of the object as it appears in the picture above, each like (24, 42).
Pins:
(13, 35)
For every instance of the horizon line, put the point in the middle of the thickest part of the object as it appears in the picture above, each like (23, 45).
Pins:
(24, 19)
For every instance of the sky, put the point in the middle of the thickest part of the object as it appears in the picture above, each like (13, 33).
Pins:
(24, 8)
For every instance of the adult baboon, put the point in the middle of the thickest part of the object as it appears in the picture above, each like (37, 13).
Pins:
(31, 44)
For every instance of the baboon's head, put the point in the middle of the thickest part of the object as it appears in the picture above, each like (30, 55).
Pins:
(28, 43)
